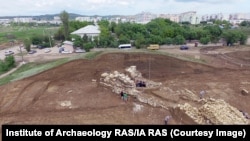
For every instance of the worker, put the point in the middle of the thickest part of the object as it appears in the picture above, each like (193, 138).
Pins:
(202, 93)
(125, 96)
(167, 118)
(122, 94)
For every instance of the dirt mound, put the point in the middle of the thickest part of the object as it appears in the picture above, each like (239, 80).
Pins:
(86, 91)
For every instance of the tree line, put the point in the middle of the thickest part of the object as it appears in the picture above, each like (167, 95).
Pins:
(158, 31)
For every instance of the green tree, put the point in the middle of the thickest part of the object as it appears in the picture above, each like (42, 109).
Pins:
(75, 25)
(191, 35)
(59, 35)
(3, 66)
(243, 38)
(215, 32)
(78, 41)
(27, 44)
(9, 61)
(204, 40)
(245, 23)
(36, 40)
(179, 40)
(232, 36)
(168, 41)
(123, 39)
(140, 41)
(64, 16)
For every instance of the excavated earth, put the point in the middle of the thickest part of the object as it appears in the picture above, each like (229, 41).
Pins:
(73, 93)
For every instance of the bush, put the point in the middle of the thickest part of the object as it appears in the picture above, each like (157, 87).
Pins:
(3, 66)
(9, 61)
(205, 40)
(168, 41)
(7, 64)
(88, 46)
(179, 40)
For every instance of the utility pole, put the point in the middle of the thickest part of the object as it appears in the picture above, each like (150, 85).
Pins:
(149, 67)
(20, 47)
(49, 36)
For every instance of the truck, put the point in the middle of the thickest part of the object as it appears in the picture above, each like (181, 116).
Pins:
(153, 47)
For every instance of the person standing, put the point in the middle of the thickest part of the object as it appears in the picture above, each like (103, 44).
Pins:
(202, 93)
(122, 95)
(125, 96)
(167, 118)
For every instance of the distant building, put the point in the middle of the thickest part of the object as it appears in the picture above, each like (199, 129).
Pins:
(56, 20)
(237, 18)
(23, 20)
(83, 19)
(144, 17)
(212, 17)
(4, 21)
(190, 17)
(88, 19)
(171, 17)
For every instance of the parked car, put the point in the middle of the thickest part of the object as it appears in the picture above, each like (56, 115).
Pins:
(8, 52)
(47, 50)
(66, 51)
(79, 50)
(184, 47)
(40, 46)
(32, 51)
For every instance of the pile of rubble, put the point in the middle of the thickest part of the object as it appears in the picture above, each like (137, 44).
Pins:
(212, 111)
(125, 81)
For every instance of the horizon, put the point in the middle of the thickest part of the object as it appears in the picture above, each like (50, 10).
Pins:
(121, 7)
(46, 14)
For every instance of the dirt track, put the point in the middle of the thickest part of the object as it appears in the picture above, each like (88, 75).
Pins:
(72, 94)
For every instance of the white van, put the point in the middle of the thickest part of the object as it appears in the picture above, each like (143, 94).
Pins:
(124, 46)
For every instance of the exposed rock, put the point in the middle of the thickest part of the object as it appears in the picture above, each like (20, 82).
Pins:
(244, 92)
(121, 82)
(214, 111)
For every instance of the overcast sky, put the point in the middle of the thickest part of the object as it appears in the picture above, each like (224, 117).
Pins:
(122, 7)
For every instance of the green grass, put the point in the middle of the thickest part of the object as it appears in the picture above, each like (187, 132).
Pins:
(30, 69)
(92, 55)
(23, 32)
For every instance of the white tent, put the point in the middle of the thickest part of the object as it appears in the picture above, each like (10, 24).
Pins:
(90, 30)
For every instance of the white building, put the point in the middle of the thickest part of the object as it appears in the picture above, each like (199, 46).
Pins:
(171, 17)
(88, 19)
(82, 19)
(237, 18)
(190, 17)
(56, 20)
(90, 30)
(144, 17)
(23, 20)
(4, 21)
(218, 16)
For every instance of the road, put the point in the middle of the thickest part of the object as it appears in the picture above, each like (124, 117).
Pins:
(40, 54)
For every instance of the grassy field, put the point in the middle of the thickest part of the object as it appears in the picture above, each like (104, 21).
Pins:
(18, 33)
(30, 69)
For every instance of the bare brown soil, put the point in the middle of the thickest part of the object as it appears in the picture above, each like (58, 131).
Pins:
(72, 94)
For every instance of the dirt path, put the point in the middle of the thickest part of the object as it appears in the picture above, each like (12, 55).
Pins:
(11, 71)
